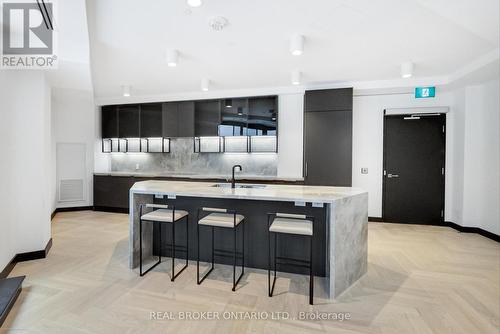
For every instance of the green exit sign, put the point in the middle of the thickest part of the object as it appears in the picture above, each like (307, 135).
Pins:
(425, 92)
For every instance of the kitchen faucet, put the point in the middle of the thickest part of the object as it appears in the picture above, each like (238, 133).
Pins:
(233, 182)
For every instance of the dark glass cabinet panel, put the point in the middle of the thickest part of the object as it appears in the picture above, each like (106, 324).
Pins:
(262, 116)
(128, 121)
(170, 119)
(185, 119)
(109, 122)
(234, 117)
(207, 118)
(151, 120)
(178, 119)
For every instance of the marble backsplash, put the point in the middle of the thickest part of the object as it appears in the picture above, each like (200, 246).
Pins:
(183, 160)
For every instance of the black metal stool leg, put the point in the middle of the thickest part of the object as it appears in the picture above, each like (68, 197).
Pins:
(140, 247)
(174, 275)
(173, 251)
(311, 277)
(198, 264)
(141, 273)
(198, 253)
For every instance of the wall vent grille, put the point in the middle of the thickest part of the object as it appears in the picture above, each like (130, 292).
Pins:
(71, 190)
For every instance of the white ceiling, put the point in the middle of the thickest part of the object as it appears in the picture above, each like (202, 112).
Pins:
(346, 41)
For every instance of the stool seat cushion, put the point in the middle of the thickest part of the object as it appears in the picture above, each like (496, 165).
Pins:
(164, 215)
(292, 226)
(221, 219)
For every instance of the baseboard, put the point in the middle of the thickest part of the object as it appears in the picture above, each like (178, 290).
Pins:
(469, 229)
(35, 255)
(110, 209)
(28, 256)
(459, 228)
(70, 209)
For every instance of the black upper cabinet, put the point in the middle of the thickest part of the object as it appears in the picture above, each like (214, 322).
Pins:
(129, 121)
(254, 116)
(109, 122)
(234, 117)
(328, 137)
(185, 119)
(151, 120)
(207, 117)
(178, 119)
(262, 116)
(170, 119)
(328, 99)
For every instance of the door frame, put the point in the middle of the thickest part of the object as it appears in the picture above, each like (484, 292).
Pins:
(384, 164)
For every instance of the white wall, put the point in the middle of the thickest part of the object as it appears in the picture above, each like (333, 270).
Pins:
(73, 122)
(25, 168)
(481, 181)
(290, 135)
(368, 117)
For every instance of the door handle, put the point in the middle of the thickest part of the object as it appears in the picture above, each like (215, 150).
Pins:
(392, 175)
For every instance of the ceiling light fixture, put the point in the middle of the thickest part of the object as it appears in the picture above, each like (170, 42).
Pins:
(204, 84)
(194, 3)
(296, 77)
(126, 91)
(172, 57)
(240, 111)
(297, 45)
(407, 69)
(228, 103)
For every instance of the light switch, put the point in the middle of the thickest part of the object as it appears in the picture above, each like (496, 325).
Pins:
(364, 170)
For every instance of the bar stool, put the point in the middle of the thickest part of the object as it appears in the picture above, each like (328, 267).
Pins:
(290, 224)
(221, 218)
(162, 215)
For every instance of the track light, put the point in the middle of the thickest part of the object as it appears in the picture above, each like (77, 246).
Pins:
(297, 45)
(296, 77)
(194, 3)
(204, 84)
(407, 69)
(172, 57)
(126, 91)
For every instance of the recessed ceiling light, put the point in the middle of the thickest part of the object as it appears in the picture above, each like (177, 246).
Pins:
(407, 69)
(194, 3)
(228, 103)
(126, 91)
(204, 84)
(297, 45)
(240, 111)
(296, 77)
(172, 57)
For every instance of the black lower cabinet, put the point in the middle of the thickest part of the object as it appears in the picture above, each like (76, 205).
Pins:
(111, 192)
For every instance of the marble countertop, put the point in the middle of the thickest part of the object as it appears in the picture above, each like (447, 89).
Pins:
(199, 176)
(270, 192)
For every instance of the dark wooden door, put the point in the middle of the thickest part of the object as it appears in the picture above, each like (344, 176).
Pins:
(414, 165)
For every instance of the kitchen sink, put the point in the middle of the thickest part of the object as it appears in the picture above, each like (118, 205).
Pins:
(243, 186)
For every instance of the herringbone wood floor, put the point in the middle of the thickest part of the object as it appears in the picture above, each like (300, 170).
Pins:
(421, 279)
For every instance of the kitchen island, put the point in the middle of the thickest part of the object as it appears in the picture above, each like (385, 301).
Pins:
(340, 227)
